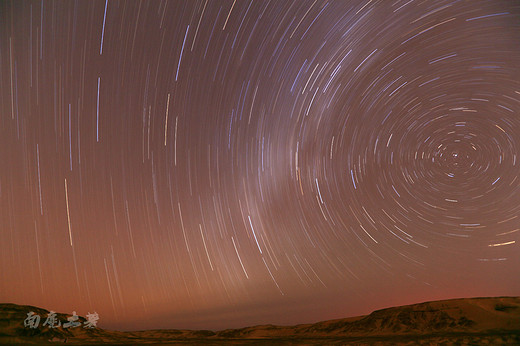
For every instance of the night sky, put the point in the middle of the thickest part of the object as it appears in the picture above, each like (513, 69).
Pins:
(214, 164)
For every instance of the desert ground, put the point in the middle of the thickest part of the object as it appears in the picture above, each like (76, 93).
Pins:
(472, 321)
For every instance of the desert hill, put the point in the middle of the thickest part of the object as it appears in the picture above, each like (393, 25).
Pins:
(469, 320)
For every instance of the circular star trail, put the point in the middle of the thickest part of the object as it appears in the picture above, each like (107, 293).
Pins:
(214, 164)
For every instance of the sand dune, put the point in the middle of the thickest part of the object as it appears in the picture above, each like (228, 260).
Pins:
(459, 321)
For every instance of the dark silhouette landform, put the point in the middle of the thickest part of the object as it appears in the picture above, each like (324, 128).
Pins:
(493, 321)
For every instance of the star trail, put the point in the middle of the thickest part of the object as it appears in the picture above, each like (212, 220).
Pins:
(215, 164)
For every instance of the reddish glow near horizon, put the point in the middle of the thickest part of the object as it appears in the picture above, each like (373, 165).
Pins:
(213, 164)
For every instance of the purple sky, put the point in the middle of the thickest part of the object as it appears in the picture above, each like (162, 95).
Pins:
(216, 164)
